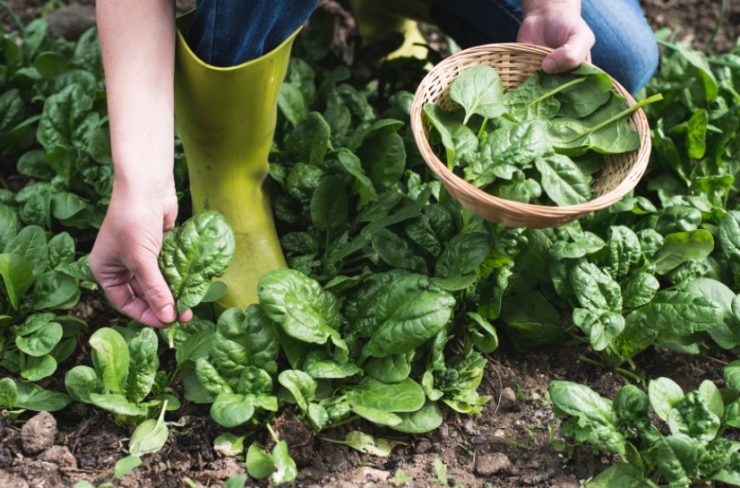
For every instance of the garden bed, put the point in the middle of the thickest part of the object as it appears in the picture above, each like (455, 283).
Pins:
(514, 442)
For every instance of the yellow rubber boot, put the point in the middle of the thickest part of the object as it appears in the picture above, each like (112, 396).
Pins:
(226, 119)
(377, 19)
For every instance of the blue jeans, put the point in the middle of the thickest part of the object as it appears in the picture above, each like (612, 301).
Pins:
(229, 32)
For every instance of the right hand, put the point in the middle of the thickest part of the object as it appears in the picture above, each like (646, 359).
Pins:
(124, 257)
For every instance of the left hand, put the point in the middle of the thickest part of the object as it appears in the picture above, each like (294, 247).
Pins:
(556, 26)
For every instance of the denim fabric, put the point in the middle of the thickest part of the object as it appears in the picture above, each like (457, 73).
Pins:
(625, 45)
(230, 32)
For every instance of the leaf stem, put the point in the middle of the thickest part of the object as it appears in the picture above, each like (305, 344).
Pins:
(272, 433)
(647, 101)
(557, 90)
(14, 17)
(722, 10)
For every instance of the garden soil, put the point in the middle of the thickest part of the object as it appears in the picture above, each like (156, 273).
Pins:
(513, 443)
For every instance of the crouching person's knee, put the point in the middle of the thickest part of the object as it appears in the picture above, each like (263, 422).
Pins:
(625, 46)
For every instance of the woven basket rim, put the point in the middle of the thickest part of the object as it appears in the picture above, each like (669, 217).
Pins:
(640, 156)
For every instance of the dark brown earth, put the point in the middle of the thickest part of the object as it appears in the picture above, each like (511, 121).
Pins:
(513, 443)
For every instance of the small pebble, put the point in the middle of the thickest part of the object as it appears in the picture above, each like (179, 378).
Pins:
(499, 434)
(493, 463)
(471, 427)
(365, 474)
(565, 482)
(11, 480)
(59, 455)
(508, 398)
(424, 445)
(38, 433)
(478, 440)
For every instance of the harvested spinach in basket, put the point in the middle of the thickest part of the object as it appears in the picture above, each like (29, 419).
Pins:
(540, 142)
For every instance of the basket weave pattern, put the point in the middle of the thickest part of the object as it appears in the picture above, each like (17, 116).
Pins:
(514, 64)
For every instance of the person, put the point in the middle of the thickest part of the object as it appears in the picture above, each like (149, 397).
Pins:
(138, 41)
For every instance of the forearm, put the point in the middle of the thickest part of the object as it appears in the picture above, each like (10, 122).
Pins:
(530, 6)
(138, 43)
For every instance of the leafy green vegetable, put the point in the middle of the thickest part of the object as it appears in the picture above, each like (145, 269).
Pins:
(194, 253)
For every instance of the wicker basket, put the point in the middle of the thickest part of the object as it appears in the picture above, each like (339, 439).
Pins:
(515, 63)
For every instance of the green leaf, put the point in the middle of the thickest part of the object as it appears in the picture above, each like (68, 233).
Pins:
(732, 375)
(302, 308)
(231, 409)
(424, 420)
(229, 444)
(125, 466)
(285, 468)
(150, 436)
(405, 396)
(681, 247)
(38, 368)
(383, 156)
(260, 464)
(144, 363)
(595, 289)
(38, 335)
(693, 417)
(309, 141)
(639, 289)
(463, 254)
(319, 366)
(664, 395)
(17, 276)
(696, 134)
(55, 290)
(117, 404)
(330, 203)
(619, 475)
(210, 379)
(590, 88)
(30, 243)
(406, 314)
(531, 100)
(243, 339)
(601, 327)
(678, 458)
(390, 369)
(193, 254)
(367, 444)
(61, 250)
(216, 291)
(33, 397)
(300, 385)
(110, 356)
(8, 393)
(480, 91)
(457, 138)
(563, 180)
(81, 381)
(590, 415)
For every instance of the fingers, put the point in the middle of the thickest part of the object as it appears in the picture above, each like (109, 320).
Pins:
(154, 288)
(571, 54)
(125, 300)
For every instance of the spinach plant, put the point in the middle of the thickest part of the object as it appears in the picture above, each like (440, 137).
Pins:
(696, 446)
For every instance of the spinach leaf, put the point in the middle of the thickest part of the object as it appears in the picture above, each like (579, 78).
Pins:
(479, 90)
(194, 253)
(300, 306)
(563, 180)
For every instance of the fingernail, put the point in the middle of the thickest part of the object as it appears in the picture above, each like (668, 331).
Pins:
(549, 65)
(168, 314)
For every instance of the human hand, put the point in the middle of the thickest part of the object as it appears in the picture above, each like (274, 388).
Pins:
(124, 257)
(558, 25)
